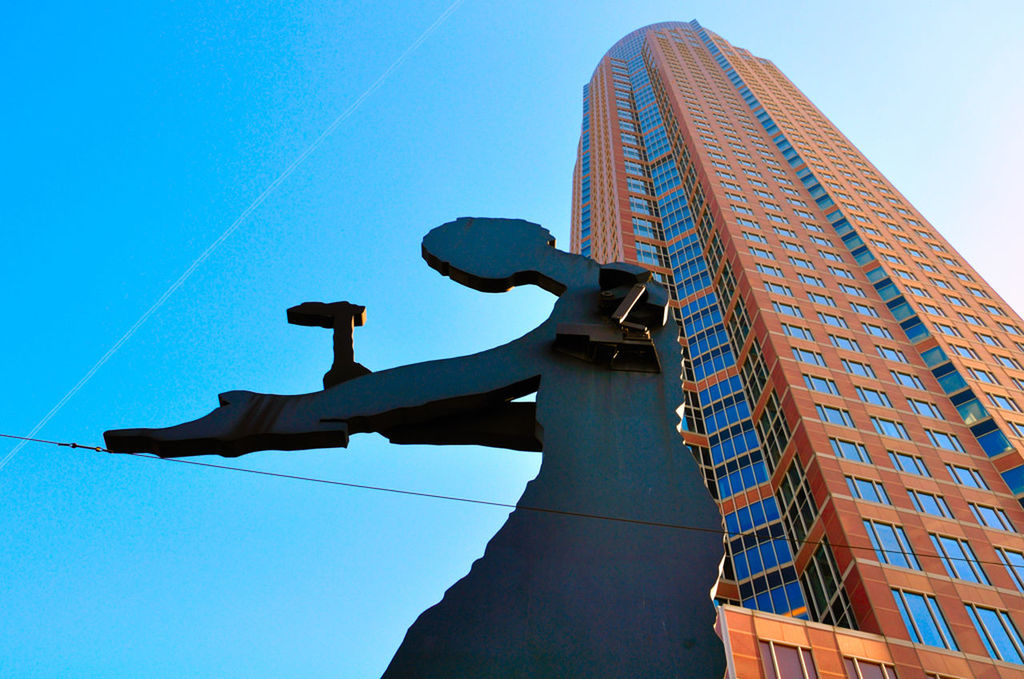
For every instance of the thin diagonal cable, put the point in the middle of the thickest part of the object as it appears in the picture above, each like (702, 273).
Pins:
(232, 228)
(455, 498)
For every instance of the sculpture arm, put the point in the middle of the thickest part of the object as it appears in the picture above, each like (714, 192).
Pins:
(433, 402)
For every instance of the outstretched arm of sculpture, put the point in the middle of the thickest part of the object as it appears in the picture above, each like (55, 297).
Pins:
(461, 400)
(458, 400)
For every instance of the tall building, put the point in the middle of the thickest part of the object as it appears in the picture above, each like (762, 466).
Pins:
(854, 388)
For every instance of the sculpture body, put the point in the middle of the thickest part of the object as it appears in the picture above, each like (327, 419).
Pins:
(555, 594)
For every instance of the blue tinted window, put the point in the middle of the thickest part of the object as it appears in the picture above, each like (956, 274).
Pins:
(873, 396)
(822, 384)
(958, 559)
(1014, 562)
(850, 450)
(924, 620)
(834, 415)
(866, 489)
(998, 632)
(927, 503)
(911, 464)
(891, 545)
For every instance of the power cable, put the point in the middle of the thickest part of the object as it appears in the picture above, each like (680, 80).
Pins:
(232, 228)
(490, 503)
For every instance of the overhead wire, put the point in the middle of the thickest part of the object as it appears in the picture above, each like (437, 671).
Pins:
(205, 254)
(455, 498)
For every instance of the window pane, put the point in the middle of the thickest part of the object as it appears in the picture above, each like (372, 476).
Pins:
(788, 659)
(1014, 562)
(870, 670)
(923, 619)
(766, 660)
(809, 669)
(998, 632)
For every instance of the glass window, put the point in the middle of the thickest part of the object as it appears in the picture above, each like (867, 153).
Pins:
(844, 343)
(802, 263)
(832, 319)
(641, 206)
(982, 375)
(838, 271)
(998, 632)
(925, 408)
(924, 620)
(797, 331)
(850, 450)
(988, 339)
(991, 517)
(1004, 402)
(863, 669)
(788, 309)
(1014, 562)
(966, 476)
(906, 379)
(891, 545)
(864, 309)
(822, 384)
(945, 441)
(873, 396)
(877, 330)
(857, 368)
(1007, 362)
(958, 558)
(964, 351)
(834, 415)
(866, 489)
(852, 290)
(926, 503)
(890, 428)
(821, 299)
(646, 228)
(786, 662)
(810, 280)
(892, 354)
(769, 270)
(637, 186)
(805, 356)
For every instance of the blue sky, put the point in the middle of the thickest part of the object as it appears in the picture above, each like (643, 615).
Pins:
(136, 133)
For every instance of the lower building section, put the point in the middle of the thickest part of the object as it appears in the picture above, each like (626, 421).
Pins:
(766, 646)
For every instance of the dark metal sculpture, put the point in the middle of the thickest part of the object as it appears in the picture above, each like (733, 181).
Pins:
(555, 594)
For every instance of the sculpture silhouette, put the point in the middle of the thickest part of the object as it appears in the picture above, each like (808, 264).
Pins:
(554, 595)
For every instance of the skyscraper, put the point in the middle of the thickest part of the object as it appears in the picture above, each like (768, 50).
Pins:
(854, 389)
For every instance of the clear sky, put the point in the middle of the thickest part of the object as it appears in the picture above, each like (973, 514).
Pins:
(135, 133)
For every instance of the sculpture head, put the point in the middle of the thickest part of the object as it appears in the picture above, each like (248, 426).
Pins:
(494, 255)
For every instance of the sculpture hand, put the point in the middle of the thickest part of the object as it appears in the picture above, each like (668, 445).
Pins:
(245, 421)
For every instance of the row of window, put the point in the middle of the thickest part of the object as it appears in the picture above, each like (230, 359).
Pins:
(733, 452)
(927, 625)
(996, 399)
(892, 547)
(995, 627)
(928, 503)
(870, 490)
(906, 462)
